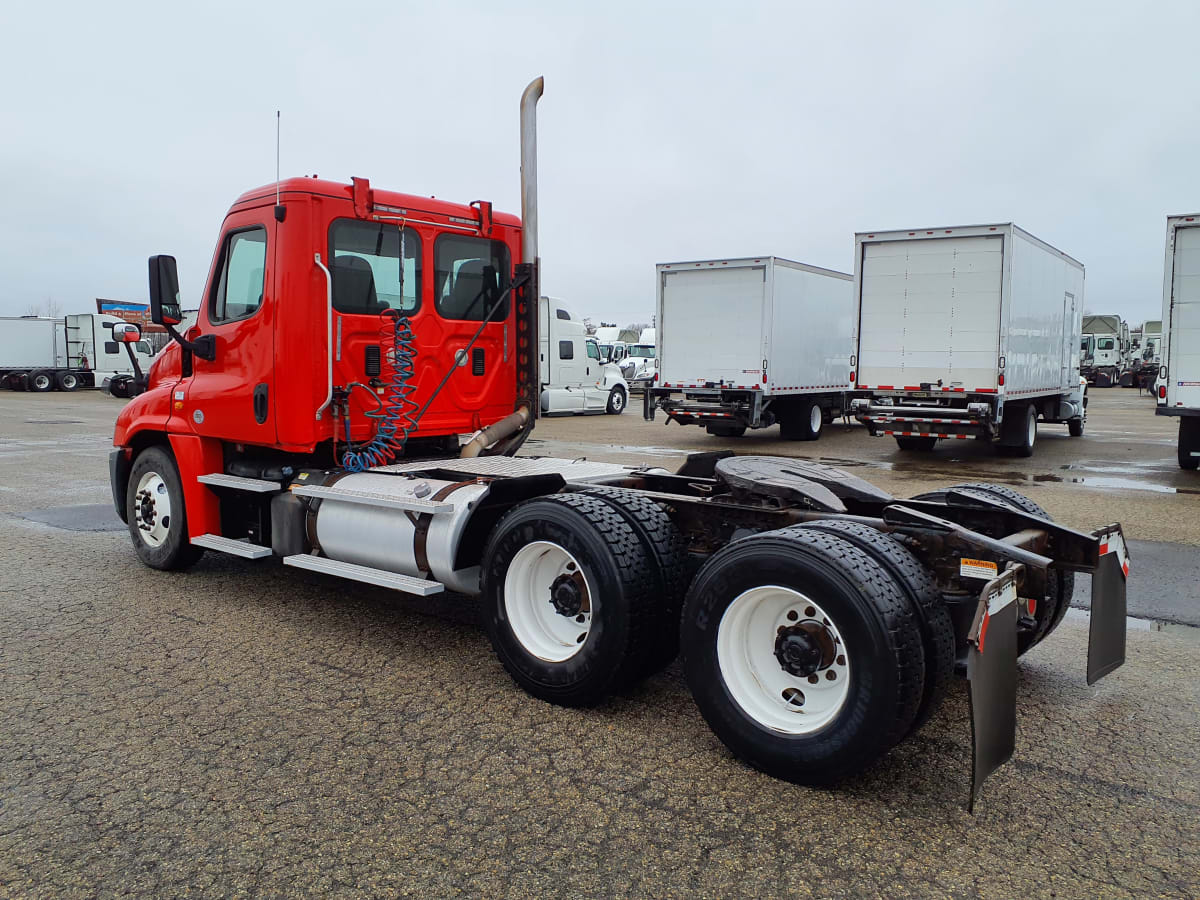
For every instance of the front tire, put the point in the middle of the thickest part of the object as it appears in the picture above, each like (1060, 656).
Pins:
(803, 654)
(155, 510)
(569, 599)
(616, 401)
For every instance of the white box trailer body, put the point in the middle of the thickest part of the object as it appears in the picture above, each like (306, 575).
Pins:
(967, 319)
(1178, 385)
(71, 352)
(744, 343)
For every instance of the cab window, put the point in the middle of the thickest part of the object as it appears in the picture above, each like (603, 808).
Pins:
(1105, 344)
(566, 350)
(593, 351)
(239, 289)
(469, 274)
(364, 262)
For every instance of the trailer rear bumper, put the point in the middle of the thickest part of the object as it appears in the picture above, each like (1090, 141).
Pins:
(705, 406)
(976, 420)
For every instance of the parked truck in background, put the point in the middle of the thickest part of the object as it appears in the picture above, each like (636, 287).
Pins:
(1145, 356)
(1105, 347)
(77, 351)
(574, 376)
(968, 332)
(750, 343)
(1177, 387)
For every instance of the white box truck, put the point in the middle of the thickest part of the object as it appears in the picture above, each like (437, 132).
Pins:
(747, 343)
(574, 379)
(1178, 385)
(42, 354)
(969, 332)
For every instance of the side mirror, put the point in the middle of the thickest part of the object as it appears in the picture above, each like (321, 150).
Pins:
(164, 291)
(127, 333)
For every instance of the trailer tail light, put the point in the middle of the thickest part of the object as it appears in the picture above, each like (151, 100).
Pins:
(656, 378)
(1000, 380)
(1162, 392)
(852, 377)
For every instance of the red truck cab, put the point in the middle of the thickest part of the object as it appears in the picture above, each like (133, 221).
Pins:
(299, 311)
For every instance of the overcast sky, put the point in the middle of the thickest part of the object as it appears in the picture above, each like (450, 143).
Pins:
(667, 131)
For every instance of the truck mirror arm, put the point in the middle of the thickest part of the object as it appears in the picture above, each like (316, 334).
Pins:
(204, 346)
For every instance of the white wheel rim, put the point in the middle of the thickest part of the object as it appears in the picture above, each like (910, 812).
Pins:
(1032, 428)
(68, 381)
(543, 628)
(618, 400)
(41, 382)
(814, 419)
(747, 640)
(152, 509)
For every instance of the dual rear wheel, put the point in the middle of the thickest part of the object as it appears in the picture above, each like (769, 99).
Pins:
(811, 651)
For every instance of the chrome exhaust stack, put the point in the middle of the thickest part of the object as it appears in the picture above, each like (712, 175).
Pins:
(529, 220)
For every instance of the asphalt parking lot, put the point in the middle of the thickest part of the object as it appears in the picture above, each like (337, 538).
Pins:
(243, 728)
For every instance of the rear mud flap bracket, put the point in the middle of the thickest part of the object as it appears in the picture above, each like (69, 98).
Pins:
(992, 678)
(1106, 635)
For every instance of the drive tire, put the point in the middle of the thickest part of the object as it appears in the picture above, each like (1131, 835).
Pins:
(619, 587)
(933, 616)
(671, 567)
(616, 401)
(40, 381)
(154, 471)
(67, 381)
(726, 431)
(1060, 585)
(1075, 426)
(924, 444)
(1189, 443)
(875, 626)
(802, 423)
(1018, 433)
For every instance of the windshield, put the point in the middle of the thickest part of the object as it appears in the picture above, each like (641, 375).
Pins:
(646, 350)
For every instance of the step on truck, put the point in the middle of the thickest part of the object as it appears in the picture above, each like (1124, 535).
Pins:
(970, 332)
(750, 343)
(1177, 387)
(42, 354)
(820, 619)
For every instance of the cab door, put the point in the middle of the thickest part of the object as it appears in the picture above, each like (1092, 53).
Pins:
(232, 396)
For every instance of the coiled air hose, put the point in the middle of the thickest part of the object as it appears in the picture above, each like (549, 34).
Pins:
(395, 417)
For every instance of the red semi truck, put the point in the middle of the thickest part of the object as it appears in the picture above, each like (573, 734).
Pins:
(820, 619)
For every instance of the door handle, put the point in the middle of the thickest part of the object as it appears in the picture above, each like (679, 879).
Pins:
(260, 403)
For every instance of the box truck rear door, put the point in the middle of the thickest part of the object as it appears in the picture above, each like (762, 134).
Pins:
(1183, 366)
(712, 326)
(931, 311)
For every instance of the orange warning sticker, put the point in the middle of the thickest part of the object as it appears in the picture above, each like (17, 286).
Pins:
(976, 568)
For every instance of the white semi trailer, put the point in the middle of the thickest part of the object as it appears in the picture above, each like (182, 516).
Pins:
(1178, 384)
(969, 332)
(42, 354)
(748, 343)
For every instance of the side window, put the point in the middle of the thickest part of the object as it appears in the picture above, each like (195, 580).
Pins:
(111, 347)
(562, 314)
(239, 288)
(1106, 343)
(566, 350)
(364, 260)
(144, 347)
(469, 273)
(593, 351)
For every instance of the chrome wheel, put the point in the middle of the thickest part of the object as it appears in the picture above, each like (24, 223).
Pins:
(152, 509)
(783, 660)
(548, 601)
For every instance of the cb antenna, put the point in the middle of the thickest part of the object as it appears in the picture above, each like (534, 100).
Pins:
(280, 209)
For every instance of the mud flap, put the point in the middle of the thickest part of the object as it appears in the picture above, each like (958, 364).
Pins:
(992, 679)
(1106, 637)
